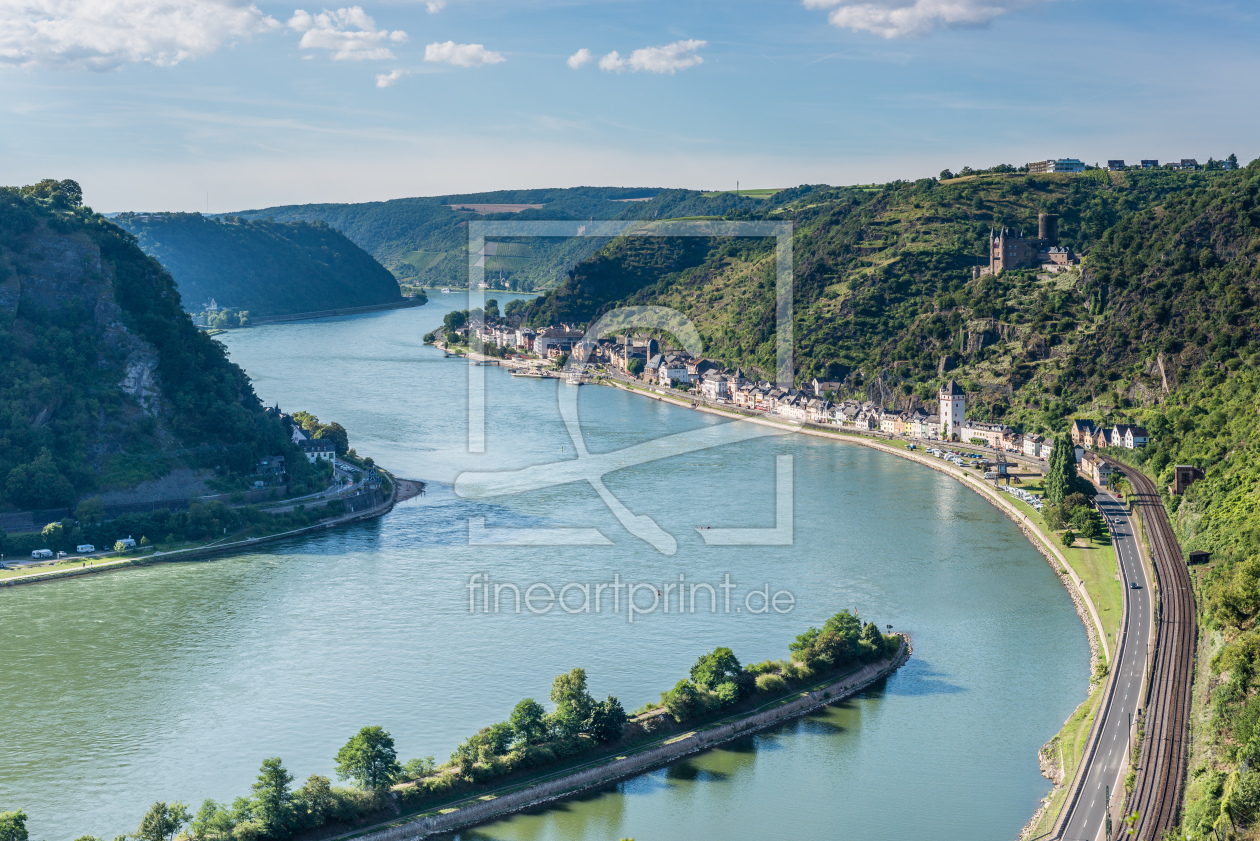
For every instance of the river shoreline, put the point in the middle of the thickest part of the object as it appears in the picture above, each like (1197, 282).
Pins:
(403, 489)
(1086, 610)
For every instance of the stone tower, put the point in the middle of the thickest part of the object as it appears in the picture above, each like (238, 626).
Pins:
(953, 409)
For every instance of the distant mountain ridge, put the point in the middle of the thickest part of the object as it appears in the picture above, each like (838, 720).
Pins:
(424, 240)
(263, 266)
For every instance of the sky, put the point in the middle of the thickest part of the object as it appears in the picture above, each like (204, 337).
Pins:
(225, 105)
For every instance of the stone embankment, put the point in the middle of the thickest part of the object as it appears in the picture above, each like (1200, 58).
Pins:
(486, 807)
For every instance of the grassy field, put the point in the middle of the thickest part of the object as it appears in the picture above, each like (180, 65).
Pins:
(65, 563)
(1095, 563)
(748, 194)
(423, 260)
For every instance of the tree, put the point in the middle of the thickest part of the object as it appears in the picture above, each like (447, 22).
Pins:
(13, 826)
(369, 759)
(1068, 538)
(946, 175)
(872, 640)
(90, 511)
(607, 720)
(573, 702)
(527, 722)
(844, 624)
(804, 642)
(212, 823)
(1090, 529)
(272, 798)
(718, 666)
(39, 484)
(1059, 478)
(634, 367)
(162, 822)
(414, 769)
(498, 738)
(683, 701)
(1233, 160)
(337, 434)
(315, 798)
(492, 308)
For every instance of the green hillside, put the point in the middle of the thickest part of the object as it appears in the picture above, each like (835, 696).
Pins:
(1158, 325)
(262, 266)
(424, 241)
(104, 380)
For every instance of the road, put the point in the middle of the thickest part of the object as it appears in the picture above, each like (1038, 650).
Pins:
(1106, 760)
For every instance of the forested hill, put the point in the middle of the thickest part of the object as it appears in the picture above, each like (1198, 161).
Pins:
(1159, 326)
(104, 380)
(885, 300)
(265, 267)
(425, 240)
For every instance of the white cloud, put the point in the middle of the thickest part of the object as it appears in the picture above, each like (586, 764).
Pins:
(435, 6)
(385, 80)
(580, 58)
(461, 55)
(669, 58)
(350, 34)
(913, 18)
(105, 34)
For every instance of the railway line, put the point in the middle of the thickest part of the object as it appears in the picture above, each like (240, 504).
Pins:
(1161, 774)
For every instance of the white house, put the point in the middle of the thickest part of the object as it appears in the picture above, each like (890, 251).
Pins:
(953, 411)
(715, 387)
(673, 368)
(992, 434)
(318, 450)
(1035, 447)
(1129, 436)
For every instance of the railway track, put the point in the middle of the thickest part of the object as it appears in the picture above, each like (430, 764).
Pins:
(1161, 773)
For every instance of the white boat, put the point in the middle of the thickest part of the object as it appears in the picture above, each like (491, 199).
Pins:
(446, 290)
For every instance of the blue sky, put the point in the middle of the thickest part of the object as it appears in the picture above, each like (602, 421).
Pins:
(153, 104)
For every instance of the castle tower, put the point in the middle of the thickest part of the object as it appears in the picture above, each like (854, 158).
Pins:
(953, 409)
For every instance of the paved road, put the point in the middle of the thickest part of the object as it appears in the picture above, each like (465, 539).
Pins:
(1085, 815)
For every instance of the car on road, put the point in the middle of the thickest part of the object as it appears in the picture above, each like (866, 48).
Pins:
(1133, 585)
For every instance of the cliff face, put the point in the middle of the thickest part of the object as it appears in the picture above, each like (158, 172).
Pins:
(104, 380)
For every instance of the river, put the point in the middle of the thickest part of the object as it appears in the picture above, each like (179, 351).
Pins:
(174, 682)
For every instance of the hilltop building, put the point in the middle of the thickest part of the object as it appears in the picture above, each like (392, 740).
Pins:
(1056, 165)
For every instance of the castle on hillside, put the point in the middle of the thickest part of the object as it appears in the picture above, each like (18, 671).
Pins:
(953, 410)
(1008, 249)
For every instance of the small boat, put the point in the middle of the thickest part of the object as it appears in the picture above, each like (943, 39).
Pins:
(446, 290)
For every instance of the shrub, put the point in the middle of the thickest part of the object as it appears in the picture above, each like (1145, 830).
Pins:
(726, 693)
(771, 683)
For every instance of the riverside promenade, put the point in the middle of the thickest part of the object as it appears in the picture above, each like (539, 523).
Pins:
(496, 803)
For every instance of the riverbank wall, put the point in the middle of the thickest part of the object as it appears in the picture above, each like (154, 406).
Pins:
(487, 807)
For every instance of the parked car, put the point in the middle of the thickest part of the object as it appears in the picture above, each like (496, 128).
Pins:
(1133, 585)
